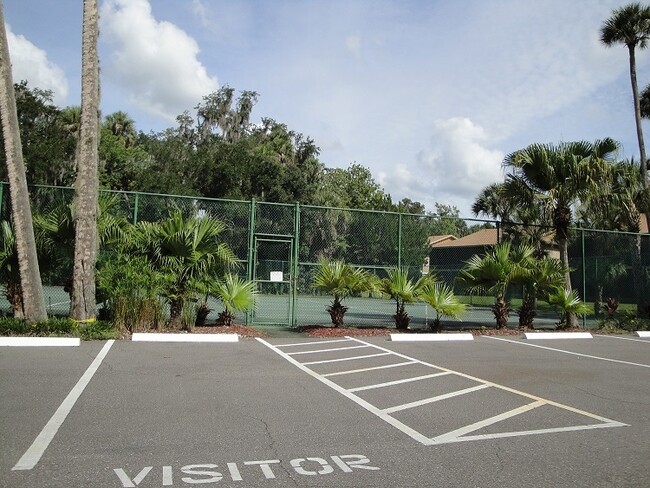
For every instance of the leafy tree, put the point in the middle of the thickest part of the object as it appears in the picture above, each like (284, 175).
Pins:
(556, 177)
(630, 25)
(353, 187)
(401, 288)
(33, 301)
(441, 298)
(48, 147)
(341, 280)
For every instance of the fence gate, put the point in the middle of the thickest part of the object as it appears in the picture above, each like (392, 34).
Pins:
(273, 274)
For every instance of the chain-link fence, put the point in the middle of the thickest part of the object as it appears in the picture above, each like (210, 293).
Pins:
(279, 247)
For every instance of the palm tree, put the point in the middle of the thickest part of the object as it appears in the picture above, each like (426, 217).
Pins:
(121, 126)
(55, 232)
(555, 177)
(441, 298)
(630, 25)
(30, 278)
(493, 273)
(341, 280)
(236, 295)
(184, 249)
(83, 305)
(569, 304)
(539, 278)
(399, 287)
(619, 206)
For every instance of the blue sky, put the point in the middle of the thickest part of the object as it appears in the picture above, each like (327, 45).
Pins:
(430, 95)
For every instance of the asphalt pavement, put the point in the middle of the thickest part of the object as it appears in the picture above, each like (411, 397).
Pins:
(293, 411)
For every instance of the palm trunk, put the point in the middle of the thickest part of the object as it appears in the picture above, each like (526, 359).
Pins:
(572, 319)
(30, 277)
(87, 183)
(643, 164)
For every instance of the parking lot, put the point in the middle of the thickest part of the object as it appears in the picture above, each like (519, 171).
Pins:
(333, 413)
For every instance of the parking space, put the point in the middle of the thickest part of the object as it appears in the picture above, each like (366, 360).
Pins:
(331, 413)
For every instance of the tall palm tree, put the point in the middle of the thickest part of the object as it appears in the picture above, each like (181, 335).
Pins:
(122, 126)
(630, 25)
(30, 278)
(557, 177)
(83, 305)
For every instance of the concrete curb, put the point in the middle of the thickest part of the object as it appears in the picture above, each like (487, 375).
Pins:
(643, 333)
(40, 341)
(558, 335)
(431, 337)
(156, 337)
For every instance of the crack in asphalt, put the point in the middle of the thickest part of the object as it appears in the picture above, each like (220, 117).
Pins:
(273, 449)
(617, 399)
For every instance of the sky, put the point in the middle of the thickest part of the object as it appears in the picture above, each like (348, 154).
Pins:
(430, 95)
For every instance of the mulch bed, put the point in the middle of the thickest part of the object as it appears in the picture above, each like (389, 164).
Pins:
(325, 331)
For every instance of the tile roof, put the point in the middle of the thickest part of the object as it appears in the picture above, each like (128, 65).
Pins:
(483, 237)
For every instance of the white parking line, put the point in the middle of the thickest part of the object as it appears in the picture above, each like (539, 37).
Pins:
(454, 434)
(457, 435)
(359, 401)
(570, 352)
(363, 370)
(42, 441)
(426, 401)
(398, 382)
(347, 359)
(312, 343)
(325, 350)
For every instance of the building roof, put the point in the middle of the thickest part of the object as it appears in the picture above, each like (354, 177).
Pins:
(483, 237)
(435, 240)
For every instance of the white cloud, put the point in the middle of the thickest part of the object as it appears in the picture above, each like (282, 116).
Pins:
(453, 170)
(154, 62)
(30, 63)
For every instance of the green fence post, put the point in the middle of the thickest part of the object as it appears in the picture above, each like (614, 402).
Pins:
(251, 244)
(135, 209)
(294, 271)
(399, 240)
(584, 275)
(2, 194)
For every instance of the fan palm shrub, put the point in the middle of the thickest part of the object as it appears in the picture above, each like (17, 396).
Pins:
(236, 295)
(440, 297)
(567, 303)
(341, 280)
(185, 249)
(401, 288)
(492, 273)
